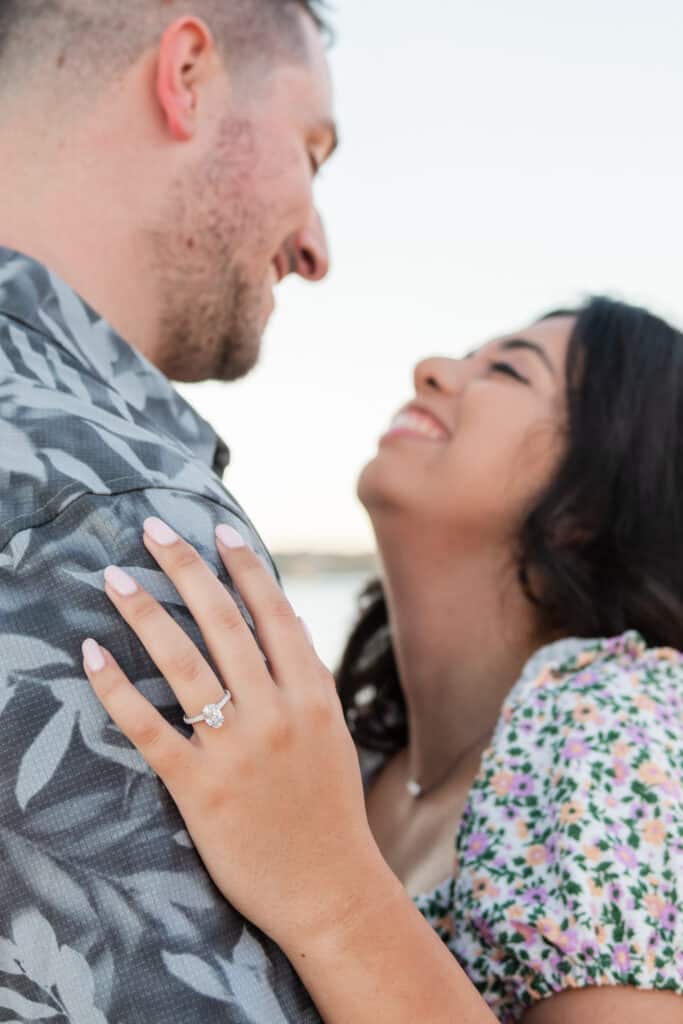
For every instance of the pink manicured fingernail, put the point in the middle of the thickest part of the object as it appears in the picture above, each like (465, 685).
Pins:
(92, 656)
(230, 538)
(120, 581)
(160, 532)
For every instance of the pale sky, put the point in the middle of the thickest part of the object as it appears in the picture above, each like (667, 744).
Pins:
(498, 159)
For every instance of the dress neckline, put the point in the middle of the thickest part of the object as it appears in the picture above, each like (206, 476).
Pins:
(554, 659)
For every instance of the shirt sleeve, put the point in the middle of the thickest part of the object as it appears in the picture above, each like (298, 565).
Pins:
(107, 912)
(571, 859)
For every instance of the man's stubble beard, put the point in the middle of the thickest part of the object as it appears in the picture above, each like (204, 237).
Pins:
(211, 308)
(209, 332)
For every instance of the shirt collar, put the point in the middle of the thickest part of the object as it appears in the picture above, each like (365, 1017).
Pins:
(35, 297)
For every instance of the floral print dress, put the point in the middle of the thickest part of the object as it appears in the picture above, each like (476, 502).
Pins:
(569, 856)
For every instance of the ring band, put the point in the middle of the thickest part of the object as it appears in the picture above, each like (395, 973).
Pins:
(212, 714)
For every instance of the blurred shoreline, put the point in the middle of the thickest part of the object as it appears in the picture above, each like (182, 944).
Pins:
(298, 564)
(324, 589)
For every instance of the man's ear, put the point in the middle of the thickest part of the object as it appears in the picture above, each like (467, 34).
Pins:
(186, 60)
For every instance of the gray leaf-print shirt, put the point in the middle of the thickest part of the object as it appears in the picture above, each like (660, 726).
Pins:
(107, 915)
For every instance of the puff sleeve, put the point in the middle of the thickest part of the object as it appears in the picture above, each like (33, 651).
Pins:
(570, 854)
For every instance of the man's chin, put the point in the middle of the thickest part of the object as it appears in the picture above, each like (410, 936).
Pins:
(232, 366)
(238, 362)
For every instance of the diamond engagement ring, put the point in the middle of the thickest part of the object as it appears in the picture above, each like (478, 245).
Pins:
(211, 713)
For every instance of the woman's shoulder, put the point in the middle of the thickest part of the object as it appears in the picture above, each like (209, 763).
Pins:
(593, 730)
(599, 681)
(579, 791)
(597, 712)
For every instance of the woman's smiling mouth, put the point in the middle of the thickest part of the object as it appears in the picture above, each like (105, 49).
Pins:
(414, 421)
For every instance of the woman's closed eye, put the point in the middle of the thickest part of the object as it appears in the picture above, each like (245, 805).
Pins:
(509, 370)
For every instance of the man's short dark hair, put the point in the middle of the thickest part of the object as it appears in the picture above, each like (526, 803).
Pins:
(109, 35)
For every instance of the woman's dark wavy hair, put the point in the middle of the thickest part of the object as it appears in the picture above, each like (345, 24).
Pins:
(604, 539)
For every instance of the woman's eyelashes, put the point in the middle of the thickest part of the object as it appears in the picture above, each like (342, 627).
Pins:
(510, 370)
(501, 367)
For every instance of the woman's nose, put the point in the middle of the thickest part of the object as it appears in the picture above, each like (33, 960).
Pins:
(308, 253)
(438, 373)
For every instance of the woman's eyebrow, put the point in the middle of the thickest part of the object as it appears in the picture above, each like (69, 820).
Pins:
(531, 346)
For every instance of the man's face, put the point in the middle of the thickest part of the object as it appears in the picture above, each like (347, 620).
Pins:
(241, 217)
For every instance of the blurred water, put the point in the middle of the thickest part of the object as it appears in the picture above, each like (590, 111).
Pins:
(327, 603)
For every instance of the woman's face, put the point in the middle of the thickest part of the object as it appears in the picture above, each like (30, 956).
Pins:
(482, 437)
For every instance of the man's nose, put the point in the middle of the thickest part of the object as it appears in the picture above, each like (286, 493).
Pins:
(308, 252)
(438, 373)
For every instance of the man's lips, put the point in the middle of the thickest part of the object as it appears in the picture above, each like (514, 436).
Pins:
(417, 421)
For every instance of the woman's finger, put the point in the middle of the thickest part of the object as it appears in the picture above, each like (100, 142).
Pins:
(226, 634)
(163, 748)
(170, 648)
(282, 634)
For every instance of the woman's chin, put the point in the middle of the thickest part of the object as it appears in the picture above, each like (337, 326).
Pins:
(380, 489)
(366, 487)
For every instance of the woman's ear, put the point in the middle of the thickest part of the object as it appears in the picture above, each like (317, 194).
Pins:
(186, 60)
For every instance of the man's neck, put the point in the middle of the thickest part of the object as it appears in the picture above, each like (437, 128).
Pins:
(57, 207)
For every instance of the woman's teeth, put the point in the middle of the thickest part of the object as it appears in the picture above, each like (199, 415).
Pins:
(419, 423)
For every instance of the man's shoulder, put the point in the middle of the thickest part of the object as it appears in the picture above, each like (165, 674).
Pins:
(95, 855)
(52, 578)
(65, 434)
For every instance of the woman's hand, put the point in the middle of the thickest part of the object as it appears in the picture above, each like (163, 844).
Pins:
(273, 798)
